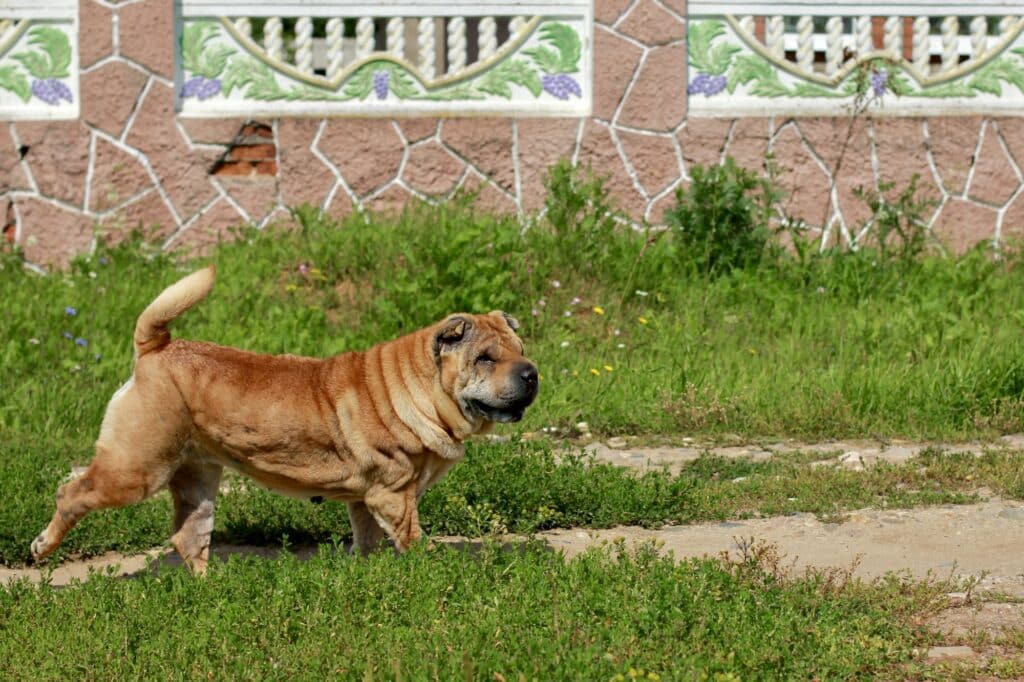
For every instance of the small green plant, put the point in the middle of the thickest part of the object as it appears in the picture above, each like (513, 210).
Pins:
(721, 220)
(899, 226)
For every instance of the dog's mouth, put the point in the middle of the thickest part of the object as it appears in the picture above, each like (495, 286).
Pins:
(504, 413)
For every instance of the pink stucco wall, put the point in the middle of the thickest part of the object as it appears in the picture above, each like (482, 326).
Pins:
(130, 161)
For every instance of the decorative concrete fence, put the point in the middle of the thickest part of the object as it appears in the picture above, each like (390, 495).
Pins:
(188, 117)
(459, 56)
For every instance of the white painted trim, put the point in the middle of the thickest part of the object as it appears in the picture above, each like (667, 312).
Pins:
(34, 9)
(854, 8)
(384, 8)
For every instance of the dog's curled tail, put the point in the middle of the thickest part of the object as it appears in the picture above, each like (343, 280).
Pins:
(151, 330)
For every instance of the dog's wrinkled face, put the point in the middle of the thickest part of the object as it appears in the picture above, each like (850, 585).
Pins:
(483, 368)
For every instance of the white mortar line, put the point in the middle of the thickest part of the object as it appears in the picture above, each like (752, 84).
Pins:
(215, 181)
(634, 77)
(630, 171)
(136, 108)
(22, 159)
(517, 173)
(974, 160)
(1001, 214)
(144, 160)
(932, 166)
(89, 171)
(580, 125)
(625, 15)
(1006, 151)
(723, 151)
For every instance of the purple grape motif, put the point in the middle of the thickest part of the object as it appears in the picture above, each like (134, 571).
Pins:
(706, 84)
(380, 83)
(200, 88)
(561, 85)
(879, 81)
(51, 91)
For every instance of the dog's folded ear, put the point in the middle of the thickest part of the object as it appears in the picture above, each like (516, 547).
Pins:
(452, 331)
(512, 322)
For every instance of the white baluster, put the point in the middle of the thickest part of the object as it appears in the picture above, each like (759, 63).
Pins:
(862, 36)
(273, 41)
(242, 24)
(396, 36)
(456, 44)
(516, 25)
(893, 36)
(979, 36)
(426, 47)
(364, 37)
(304, 45)
(919, 47)
(950, 39)
(335, 40)
(833, 45)
(748, 24)
(805, 43)
(488, 37)
(1006, 24)
(773, 37)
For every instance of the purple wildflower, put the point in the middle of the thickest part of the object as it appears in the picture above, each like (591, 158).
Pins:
(303, 269)
(103, 260)
(51, 91)
(68, 310)
(81, 342)
(380, 83)
(561, 85)
(68, 335)
(879, 81)
(706, 84)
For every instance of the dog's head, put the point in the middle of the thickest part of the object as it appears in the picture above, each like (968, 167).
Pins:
(481, 365)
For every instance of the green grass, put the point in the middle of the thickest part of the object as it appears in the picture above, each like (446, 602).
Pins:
(518, 614)
(524, 488)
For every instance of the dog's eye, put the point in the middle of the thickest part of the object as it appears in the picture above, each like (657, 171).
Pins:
(485, 358)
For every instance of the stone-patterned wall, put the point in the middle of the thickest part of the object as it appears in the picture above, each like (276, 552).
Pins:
(130, 160)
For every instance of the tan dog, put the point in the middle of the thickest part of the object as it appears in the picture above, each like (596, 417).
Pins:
(374, 429)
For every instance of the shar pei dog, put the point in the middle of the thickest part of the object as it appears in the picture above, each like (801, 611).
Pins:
(374, 429)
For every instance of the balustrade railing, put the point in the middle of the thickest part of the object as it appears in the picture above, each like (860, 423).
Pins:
(801, 57)
(320, 57)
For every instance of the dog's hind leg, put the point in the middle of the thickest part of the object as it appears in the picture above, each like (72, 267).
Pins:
(366, 532)
(194, 490)
(138, 449)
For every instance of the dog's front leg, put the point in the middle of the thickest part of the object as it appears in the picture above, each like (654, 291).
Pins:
(395, 511)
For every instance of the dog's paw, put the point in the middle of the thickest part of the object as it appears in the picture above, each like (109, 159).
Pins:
(41, 547)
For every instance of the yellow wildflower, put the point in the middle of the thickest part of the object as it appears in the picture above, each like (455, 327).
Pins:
(595, 372)
(608, 368)
(291, 287)
(642, 319)
(599, 310)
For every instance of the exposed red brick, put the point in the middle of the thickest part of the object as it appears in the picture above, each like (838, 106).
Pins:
(251, 152)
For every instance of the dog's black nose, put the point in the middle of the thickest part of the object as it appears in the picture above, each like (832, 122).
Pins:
(528, 374)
